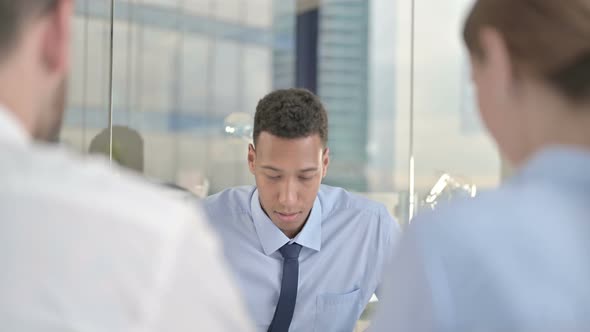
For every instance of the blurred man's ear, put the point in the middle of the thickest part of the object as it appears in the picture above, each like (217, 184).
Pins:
(57, 37)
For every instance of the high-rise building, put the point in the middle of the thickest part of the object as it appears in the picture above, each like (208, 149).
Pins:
(343, 86)
(331, 59)
(283, 29)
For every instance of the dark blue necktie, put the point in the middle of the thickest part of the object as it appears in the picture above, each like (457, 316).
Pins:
(286, 306)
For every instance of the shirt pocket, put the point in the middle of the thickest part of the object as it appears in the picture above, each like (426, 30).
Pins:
(337, 312)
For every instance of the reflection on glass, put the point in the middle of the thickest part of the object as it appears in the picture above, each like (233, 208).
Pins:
(447, 188)
(239, 125)
(445, 119)
(127, 147)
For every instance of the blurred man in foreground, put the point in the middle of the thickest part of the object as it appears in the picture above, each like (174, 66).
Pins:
(82, 249)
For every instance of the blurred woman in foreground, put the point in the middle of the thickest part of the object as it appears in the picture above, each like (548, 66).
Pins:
(516, 258)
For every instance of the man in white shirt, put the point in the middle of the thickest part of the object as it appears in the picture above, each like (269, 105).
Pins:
(82, 249)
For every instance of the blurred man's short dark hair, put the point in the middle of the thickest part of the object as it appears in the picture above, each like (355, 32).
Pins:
(13, 14)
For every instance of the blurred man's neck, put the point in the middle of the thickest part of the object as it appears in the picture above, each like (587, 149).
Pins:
(15, 93)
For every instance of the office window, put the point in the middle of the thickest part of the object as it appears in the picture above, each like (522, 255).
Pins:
(400, 118)
(180, 68)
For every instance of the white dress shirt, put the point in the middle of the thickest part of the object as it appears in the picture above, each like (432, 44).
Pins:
(512, 259)
(346, 242)
(83, 249)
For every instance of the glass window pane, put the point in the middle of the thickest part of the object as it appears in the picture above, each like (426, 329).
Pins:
(448, 137)
(87, 108)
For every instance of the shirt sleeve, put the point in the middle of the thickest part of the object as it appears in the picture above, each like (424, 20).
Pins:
(392, 232)
(415, 295)
(199, 294)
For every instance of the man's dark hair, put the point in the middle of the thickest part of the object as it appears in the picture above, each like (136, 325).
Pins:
(291, 113)
(13, 15)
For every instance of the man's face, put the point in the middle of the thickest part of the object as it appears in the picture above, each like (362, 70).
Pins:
(52, 33)
(288, 175)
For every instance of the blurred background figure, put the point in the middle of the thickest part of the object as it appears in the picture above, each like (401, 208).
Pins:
(128, 152)
(85, 247)
(127, 147)
(516, 258)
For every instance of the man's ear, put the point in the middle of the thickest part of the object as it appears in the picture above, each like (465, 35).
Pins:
(325, 161)
(57, 37)
(251, 158)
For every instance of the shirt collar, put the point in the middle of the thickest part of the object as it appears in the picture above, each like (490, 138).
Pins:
(560, 165)
(272, 238)
(10, 129)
